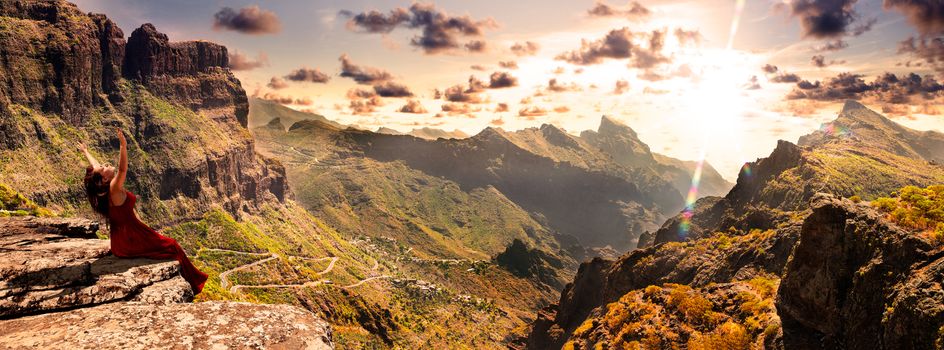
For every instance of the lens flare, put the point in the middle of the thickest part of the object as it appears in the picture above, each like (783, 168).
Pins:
(735, 21)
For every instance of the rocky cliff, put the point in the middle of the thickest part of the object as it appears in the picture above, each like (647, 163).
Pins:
(70, 77)
(857, 281)
(60, 288)
(850, 279)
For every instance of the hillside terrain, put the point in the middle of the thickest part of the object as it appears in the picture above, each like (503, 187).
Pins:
(751, 268)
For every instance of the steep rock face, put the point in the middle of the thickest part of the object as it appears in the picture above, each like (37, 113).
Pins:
(856, 281)
(209, 325)
(51, 264)
(57, 59)
(191, 73)
(70, 77)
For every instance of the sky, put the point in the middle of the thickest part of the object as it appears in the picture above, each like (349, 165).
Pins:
(720, 80)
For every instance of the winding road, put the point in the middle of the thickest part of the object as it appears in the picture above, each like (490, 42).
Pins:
(225, 282)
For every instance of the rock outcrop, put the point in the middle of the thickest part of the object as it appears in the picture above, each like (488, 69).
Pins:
(856, 281)
(60, 288)
(209, 325)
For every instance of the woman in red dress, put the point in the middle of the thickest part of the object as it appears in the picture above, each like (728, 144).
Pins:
(131, 238)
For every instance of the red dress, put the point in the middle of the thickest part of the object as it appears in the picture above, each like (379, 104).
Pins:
(131, 238)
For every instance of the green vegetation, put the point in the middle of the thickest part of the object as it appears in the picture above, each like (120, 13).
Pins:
(14, 204)
(917, 208)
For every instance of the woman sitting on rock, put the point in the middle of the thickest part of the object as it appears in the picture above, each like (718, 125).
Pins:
(131, 238)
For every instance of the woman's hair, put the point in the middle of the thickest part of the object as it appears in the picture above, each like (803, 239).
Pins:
(96, 191)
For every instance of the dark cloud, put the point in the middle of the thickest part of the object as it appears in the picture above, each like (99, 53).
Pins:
(458, 93)
(277, 83)
(926, 15)
(527, 48)
(508, 64)
(439, 32)
(500, 80)
(819, 61)
(476, 46)
(635, 11)
(888, 89)
(622, 86)
(532, 111)
(770, 69)
(501, 107)
(824, 18)
(785, 78)
(616, 45)
(862, 28)
(248, 20)
(651, 56)
(475, 85)
(392, 89)
(374, 21)
(413, 106)
(311, 75)
(832, 45)
(929, 50)
(239, 61)
(360, 74)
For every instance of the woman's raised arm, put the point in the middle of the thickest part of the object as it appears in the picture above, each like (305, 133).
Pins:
(118, 183)
(92, 161)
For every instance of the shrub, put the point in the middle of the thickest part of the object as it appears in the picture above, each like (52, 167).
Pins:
(728, 336)
(917, 208)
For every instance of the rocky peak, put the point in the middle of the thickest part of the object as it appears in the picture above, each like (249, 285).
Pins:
(149, 53)
(276, 124)
(610, 126)
(558, 137)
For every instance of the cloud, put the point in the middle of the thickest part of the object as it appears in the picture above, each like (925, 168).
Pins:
(555, 86)
(478, 67)
(532, 111)
(634, 11)
(622, 86)
(459, 108)
(508, 64)
(459, 93)
(309, 75)
(561, 109)
(439, 32)
(277, 83)
(832, 45)
(358, 93)
(413, 106)
(616, 45)
(930, 50)
(285, 100)
(362, 75)
(248, 20)
(688, 37)
(752, 84)
(893, 92)
(770, 69)
(824, 18)
(239, 61)
(476, 46)
(820, 61)
(926, 15)
(497, 121)
(499, 80)
(785, 78)
(392, 89)
(501, 107)
(365, 106)
(527, 48)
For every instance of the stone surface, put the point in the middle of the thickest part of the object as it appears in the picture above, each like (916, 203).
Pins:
(49, 264)
(856, 281)
(210, 325)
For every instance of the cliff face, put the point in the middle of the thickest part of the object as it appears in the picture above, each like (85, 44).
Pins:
(856, 281)
(68, 77)
(56, 276)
